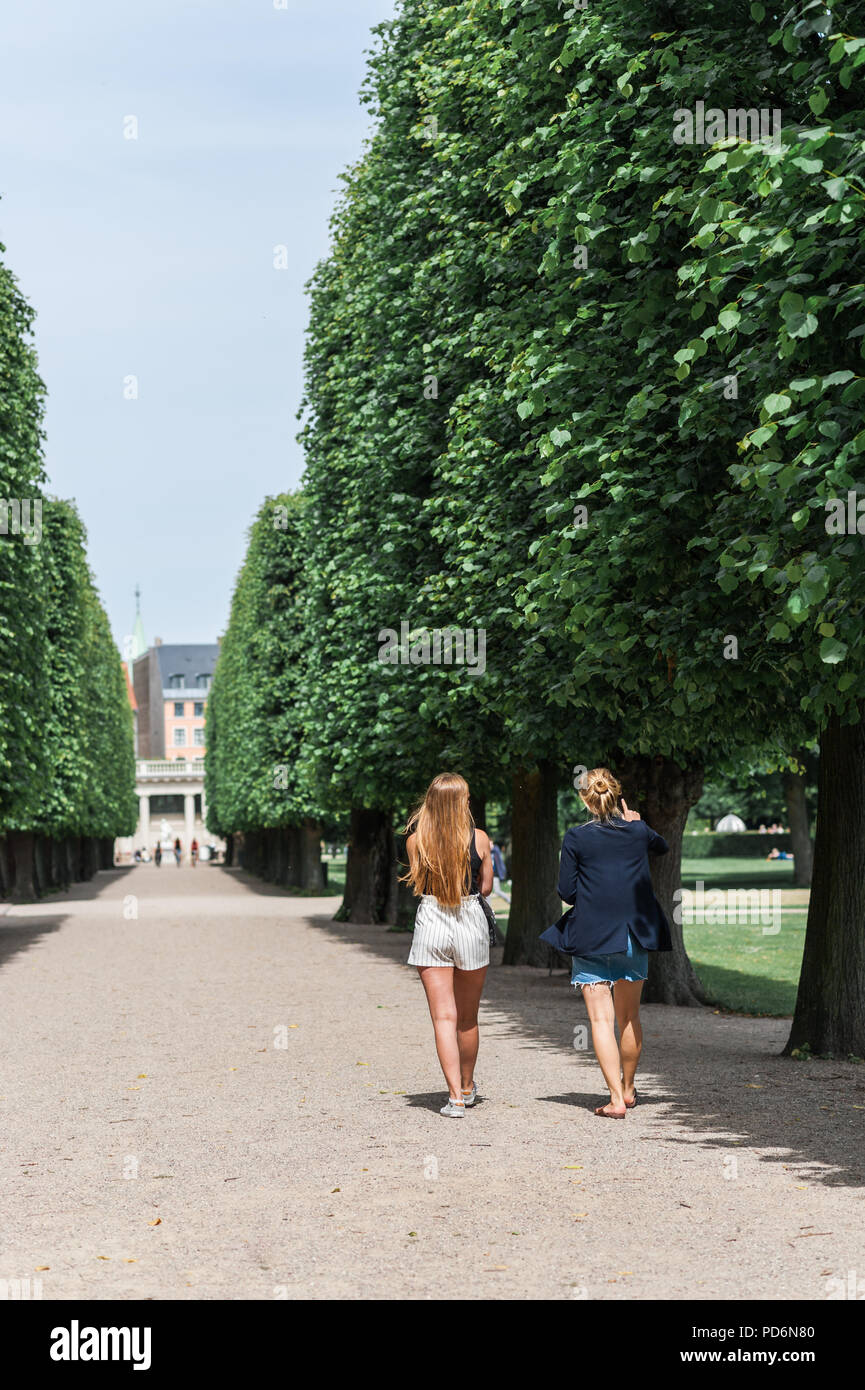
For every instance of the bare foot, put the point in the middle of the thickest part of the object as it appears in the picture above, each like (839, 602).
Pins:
(611, 1112)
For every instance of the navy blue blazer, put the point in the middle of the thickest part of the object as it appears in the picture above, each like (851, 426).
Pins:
(604, 873)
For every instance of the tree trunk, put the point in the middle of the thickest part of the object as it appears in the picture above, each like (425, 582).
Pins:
(247, 851)
(89, 856)
(800, 829)
(41, 865)
(23, 889)
(830, 1004)
(368, 873)
(311, 875)
(72, 850)
(664, 793)
(279, 856)
(5, 868)
(228, 857)
(291, 852)
(406, 902)
(59, 865)
(534, 867)
(272, 849)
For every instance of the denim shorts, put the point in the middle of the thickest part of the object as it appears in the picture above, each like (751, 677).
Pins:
(632, 964)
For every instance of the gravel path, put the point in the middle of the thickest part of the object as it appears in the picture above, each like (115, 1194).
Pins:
(229, 1095)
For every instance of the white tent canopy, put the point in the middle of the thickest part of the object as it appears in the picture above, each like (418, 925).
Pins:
(730, 822)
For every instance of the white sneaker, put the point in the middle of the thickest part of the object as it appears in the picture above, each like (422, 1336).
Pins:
(454, 1110)
(472, 1096)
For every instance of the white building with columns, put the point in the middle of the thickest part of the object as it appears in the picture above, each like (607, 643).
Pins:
(169, 685)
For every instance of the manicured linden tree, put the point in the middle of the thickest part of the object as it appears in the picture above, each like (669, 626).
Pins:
(67, 769)
(254, 785)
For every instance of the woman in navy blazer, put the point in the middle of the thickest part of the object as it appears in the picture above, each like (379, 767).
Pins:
(614, 921)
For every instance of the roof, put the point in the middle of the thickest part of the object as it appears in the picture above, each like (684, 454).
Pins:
(187, 660)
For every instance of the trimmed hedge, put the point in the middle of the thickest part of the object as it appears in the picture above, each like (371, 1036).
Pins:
(732, 844)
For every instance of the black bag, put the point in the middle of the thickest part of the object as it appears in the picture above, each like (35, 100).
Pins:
(491, 919)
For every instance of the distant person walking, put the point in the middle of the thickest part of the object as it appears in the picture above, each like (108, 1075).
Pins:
(614, 922)
(177, 852)
(193, 853)
(157, 855)
(499, 870)
(449, 867)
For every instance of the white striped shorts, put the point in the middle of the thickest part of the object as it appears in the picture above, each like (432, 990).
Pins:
(450, 935)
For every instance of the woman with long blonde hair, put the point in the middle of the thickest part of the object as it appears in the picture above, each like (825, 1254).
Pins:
(449, 867)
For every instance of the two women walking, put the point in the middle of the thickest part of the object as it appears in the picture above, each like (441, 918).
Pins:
(613, 921)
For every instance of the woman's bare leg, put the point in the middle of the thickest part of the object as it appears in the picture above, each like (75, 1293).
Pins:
(438, 982)
(599, 1002)
(626, 1001)
(468, 987)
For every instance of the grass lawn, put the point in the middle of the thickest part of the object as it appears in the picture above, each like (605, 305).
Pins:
(742, 968)
(738, 873)
(335, 874)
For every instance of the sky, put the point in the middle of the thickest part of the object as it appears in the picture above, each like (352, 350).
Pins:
(152, 157)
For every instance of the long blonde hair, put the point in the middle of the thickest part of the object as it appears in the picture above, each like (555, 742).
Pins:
(600, 792)
(443, 829)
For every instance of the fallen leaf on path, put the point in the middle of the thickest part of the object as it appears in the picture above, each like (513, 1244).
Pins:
(157, 1222)
(752, 1086)
(39, 1268)
(103, 1257)
(142, 1076)
(361, 1064)
(335, 1189)
(577, 1167)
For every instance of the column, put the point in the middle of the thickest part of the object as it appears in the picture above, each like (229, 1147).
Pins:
(144, 821)
(189, 819)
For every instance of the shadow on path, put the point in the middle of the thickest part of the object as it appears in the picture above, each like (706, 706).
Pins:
(720, 1076)
(23, 925)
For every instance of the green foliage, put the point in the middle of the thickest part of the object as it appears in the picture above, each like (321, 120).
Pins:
(66, 747)
(22, 634)
(255, 721)
(662, 334)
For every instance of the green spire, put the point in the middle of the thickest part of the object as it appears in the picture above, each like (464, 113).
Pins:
(139, 641)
